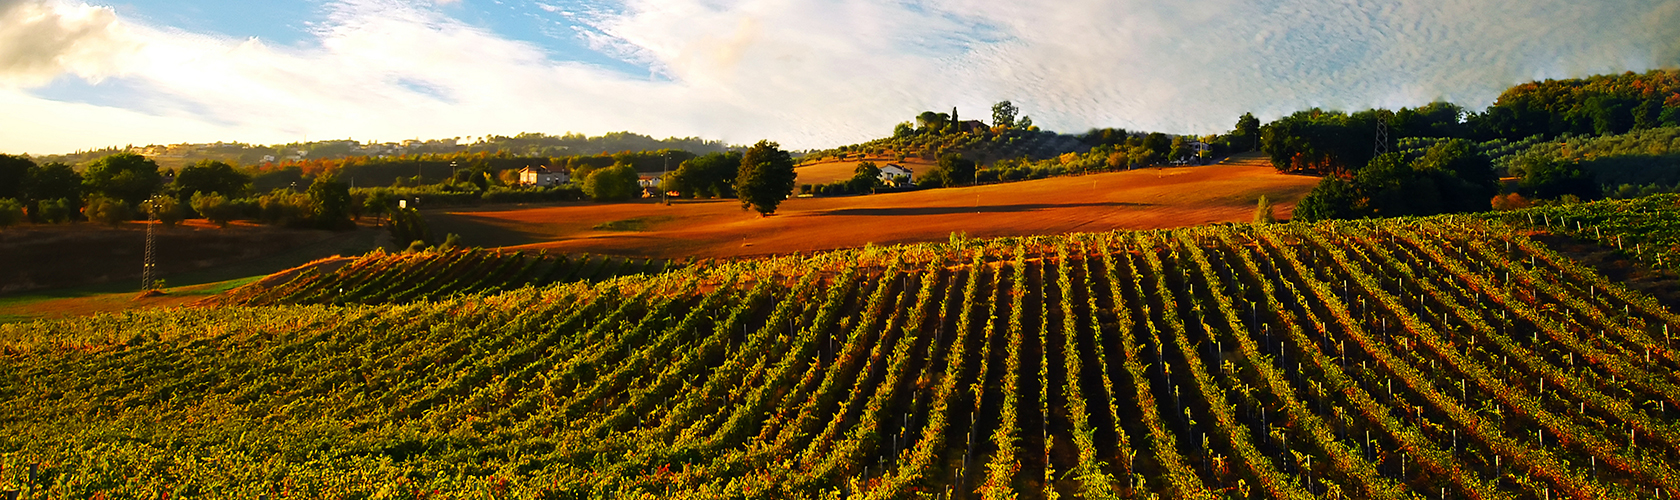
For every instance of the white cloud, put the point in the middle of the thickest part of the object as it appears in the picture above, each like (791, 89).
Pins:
(810, 73)
(40, 40)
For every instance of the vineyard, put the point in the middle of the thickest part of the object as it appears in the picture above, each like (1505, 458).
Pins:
(380, 278)
(1447, 357)
(1644, 228)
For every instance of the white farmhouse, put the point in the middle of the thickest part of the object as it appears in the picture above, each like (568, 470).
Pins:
(896, 175)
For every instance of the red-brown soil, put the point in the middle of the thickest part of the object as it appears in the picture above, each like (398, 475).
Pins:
(1140, 199)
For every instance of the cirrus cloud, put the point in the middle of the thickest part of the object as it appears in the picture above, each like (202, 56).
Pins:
(807, 73)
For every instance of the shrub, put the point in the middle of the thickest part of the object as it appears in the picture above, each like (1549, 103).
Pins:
(284, 208)
(55, 211)
(11, 212)
(408, 228)
(615, 183)
(109, 211)
(1263, 211)
(1511, 201)
(215, 208)
(165, 209)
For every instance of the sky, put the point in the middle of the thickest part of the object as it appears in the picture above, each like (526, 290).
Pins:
(808, 74)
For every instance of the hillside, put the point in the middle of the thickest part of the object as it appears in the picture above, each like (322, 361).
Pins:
(1385, 359)
(983, 145)
(1138, 199)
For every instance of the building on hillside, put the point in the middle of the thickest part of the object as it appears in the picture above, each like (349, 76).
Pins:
(1197, 151)
(540, 176)
(973, 126)
(896, 175)
(647, 181)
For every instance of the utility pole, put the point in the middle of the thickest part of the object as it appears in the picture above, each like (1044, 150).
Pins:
(665, 193)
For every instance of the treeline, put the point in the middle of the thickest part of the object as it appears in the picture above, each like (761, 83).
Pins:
(1016, 142)
(1608, 135)
(523, 145)
(481, 168)
(1010, 149)
(574, 144)
(126, 186)
(331, 193)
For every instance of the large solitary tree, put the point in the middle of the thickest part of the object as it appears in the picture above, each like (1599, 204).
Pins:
(766, 177)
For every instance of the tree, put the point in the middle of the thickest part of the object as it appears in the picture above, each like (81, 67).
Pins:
(1143, 156)
(1547, 177)
(329, 202)
(164, 209)
(711, 175)
(210, 176)
(903, 129)
(108, 211)
(1437, 119)
(54, 211)
(1393, 188)
(865, 178)
(1464, 175)
(214, 207)
(1180, 148)
(379, 202)
(407, 228)
(1003, 114)
(766, 177)
(14, 172)
(960, 170)
(11, 212)
(125, 177)
(1263, 211)
(935, 177)
(932, 122)
(615, 183)
(1026, 124)
(1333, 198)
(54, 182)
(1246, 136)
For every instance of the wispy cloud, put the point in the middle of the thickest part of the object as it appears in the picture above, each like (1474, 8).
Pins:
(807, 73)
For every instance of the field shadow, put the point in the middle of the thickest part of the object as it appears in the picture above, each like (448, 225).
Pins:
(1025, 207)
(488, 231)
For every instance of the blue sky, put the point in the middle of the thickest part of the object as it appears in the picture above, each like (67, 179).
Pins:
(78, 75)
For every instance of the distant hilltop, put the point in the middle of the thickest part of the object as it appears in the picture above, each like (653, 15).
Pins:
(524, 144)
